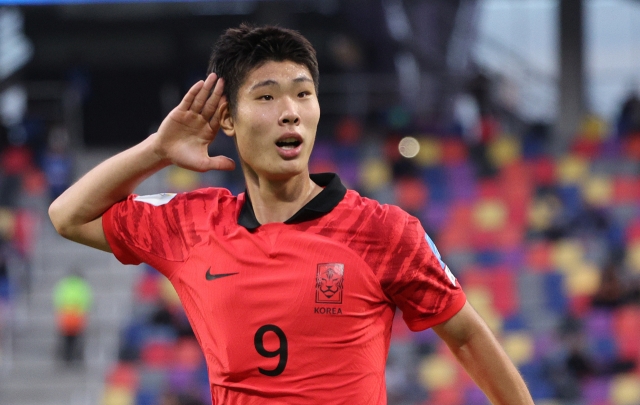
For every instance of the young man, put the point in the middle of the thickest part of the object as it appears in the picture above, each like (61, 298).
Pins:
(290, 287)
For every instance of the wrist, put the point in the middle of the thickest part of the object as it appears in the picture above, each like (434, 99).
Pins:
(158, 155)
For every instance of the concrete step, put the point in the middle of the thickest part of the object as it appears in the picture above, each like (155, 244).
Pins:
(46, 382)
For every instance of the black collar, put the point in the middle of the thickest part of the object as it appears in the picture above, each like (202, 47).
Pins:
(333, 192)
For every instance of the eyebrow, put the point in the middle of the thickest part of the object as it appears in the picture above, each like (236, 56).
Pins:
(271, 82)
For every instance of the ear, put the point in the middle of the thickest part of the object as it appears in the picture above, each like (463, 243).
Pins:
(226, 120)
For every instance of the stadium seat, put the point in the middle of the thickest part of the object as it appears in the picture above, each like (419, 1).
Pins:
(504, 150)
(437, 372)
(572, 169)
(566, 254)
(625, 390)
(147, 397)
(411, 194)
(474, 396)
(631, 147)
(349, 170)
(632, 256)
(626, 189)
(626, 324)
(538, 256)
(490, 214)
(436, 216)
(374, 174)
(582, 280)
(187, 354)
(151, 380)
(555, 298)
(632, 232)
(430, 153)
(448, 396)
(157, 354)
(596, 391)
(117, 396)
(454, 151)
(124, 376)
(598, 191)
(319, 165)
(543, 171)
(180, 179)
(519, 346)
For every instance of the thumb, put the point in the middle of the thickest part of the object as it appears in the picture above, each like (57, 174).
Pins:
(220, 163)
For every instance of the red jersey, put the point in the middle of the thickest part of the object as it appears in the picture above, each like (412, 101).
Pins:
(298, 312)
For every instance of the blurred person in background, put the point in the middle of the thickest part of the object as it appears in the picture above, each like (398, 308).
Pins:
(629, 117)
(291, 286)
(57, 164)
(72, 299)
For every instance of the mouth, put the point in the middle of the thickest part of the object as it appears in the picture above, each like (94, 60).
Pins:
(289, 141)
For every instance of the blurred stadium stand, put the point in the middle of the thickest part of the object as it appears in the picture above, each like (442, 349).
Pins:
(545, 240)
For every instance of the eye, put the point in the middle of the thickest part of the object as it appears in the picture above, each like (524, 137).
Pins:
(266, 97)
(304, 94)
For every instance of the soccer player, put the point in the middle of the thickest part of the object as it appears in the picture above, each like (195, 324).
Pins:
(291, 286)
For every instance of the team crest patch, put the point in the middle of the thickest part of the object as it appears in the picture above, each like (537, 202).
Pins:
(329, 283)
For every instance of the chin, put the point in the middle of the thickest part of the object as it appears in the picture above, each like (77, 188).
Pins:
(286, 171)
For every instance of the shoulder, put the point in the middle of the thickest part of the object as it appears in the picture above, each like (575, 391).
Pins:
(374, 213)
(205, 196)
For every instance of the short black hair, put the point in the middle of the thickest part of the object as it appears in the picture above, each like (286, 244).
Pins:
(240, 50)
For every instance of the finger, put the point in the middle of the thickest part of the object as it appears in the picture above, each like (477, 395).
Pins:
(203, 94)
(188, 98)
(211, 106)
(221, 163)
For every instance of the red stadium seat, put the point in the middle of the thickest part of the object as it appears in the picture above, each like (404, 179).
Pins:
(631, 147)
(543, 171)
(538, 257)
(626, 324)
(453, 151)
(157, 354)
(124, 375)
(626, 189)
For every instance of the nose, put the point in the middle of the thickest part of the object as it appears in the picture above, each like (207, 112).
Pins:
(289, 113)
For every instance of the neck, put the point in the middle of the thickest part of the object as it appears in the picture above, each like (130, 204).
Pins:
(277, 201)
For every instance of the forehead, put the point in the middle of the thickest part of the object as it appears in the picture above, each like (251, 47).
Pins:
(283, 72)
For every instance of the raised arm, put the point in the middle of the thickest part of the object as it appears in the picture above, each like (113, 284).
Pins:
(182, 139)
(476, 348)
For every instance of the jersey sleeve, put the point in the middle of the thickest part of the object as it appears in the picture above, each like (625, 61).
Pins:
(414, 275)
(159, 229)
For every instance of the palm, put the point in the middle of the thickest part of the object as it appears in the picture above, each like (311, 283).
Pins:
(185, 134)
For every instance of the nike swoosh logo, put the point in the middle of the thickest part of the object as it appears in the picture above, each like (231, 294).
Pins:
(210, 276)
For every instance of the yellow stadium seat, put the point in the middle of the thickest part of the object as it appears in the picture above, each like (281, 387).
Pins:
(430, 153)
(598, 191)
(594, 128)
(167, 292)
(567, 254)
(504, 150)
(375, 174)
(117, 396)
(625, 390)
(7, 223)
(572, 170)
(490, 215)
(180, 179)
(541, 214)
(482, 300)
(437, 371)
(519, 347)
(582, 280)
(633, 256)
